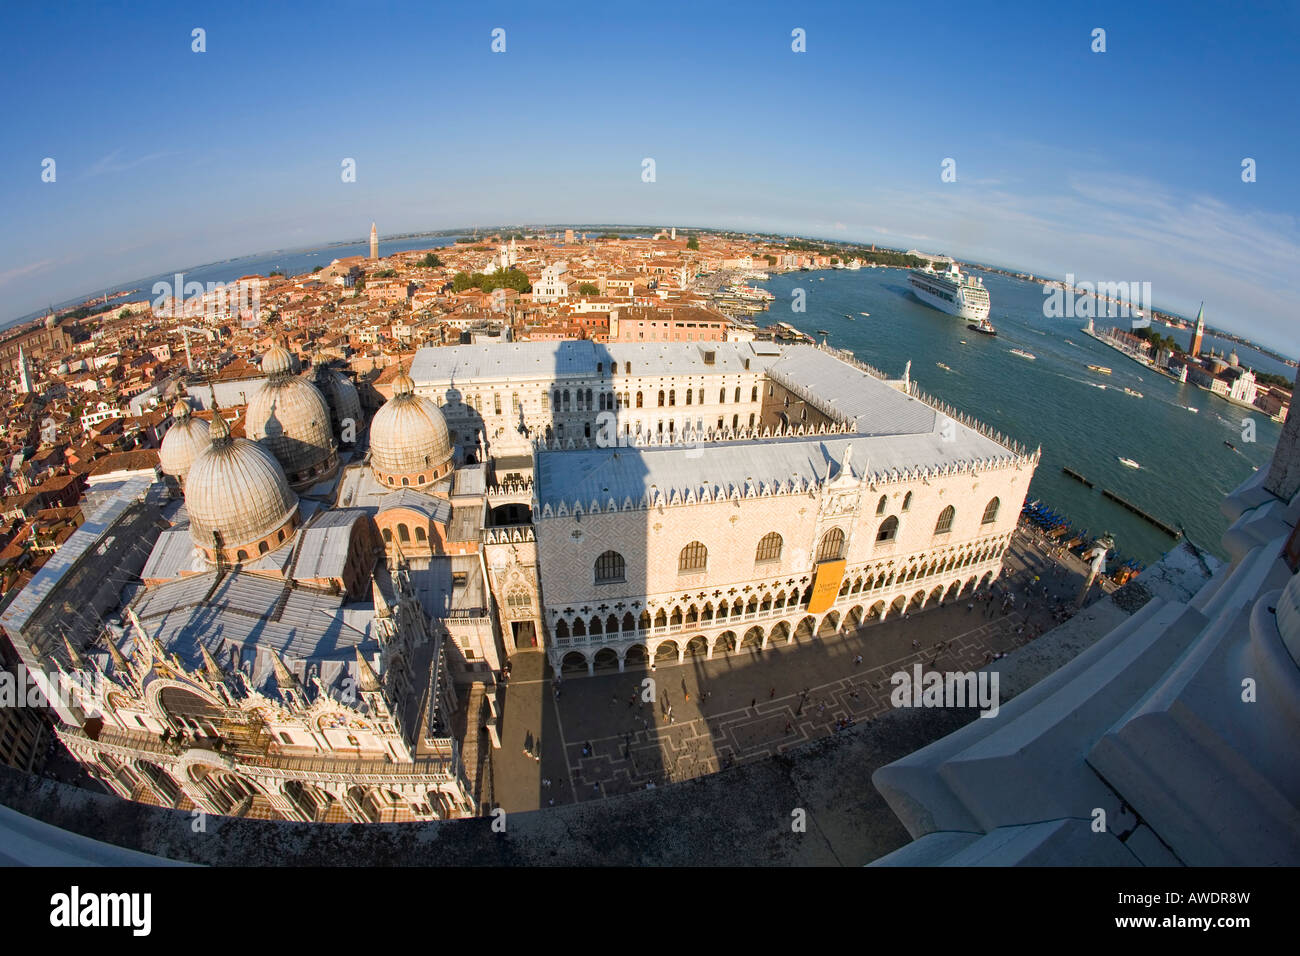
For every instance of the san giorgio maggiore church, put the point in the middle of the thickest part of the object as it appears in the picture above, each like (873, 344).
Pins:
(308, 623)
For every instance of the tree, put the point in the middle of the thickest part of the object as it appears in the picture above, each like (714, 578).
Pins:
(430, 261)
(124, 314)
(693, 243)
(587, 288)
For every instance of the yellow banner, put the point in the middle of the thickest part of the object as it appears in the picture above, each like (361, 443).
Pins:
(826, 586)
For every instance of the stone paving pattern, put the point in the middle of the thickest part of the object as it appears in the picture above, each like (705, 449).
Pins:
(599, 737)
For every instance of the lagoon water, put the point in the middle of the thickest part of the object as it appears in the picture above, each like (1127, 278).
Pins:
(1186, 469)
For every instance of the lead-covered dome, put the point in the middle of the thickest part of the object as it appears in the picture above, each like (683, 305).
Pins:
(184, 442)
(238, 501)
(290, 417)
(341, 396)
(409, 444)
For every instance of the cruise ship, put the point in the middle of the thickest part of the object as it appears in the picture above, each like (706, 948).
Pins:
(951, 292)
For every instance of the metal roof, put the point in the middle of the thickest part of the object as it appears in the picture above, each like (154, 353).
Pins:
(618, 473)
(96, 526)
(323, 550)
(503, 361)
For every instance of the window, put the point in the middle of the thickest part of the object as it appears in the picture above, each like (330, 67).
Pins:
(991, 511)
(639, 402)
(672, 396)
(737, 393)
(769, 547)
(882, 504)
(610, 567)
(518, 598)
(888, 530)
(753, 396)
(722, 396)
(496, 402)
(403, 534)
(420, 534)
(694, 557)
(907, 501)
(832, 546)
(944, 524)
(701, 399)
(661, 398)
(689, 394)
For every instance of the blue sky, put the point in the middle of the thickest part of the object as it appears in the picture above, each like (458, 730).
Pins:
(1115, 166)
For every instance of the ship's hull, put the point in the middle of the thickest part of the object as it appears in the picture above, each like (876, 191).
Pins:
(954, 301)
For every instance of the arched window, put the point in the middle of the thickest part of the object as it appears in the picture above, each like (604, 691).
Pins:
(907, 501)
(991, 511)
(610, 567)
(388, 534)
(672, 396)
(737, 393)
(661, 398)
(722, 396)
(882, 504)
(403, 534)
(944, 524)
(689, 394)
(241, 555)
(262, 547)
(769, 547)
(519, 598)
(694, 557)
(639, 400)
(588, 399)
(420, 535)
(888, 529)
(832, 546)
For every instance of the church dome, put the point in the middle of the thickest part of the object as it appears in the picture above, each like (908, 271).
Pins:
(184, 442)
(291, 419)
(341, 397)
(409, 444)
(278, 360)
(238, 501)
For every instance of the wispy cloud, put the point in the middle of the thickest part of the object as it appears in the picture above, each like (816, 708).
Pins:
(23, 272)
(113, 164)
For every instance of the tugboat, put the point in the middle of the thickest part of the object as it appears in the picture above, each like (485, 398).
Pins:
(983, 327)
